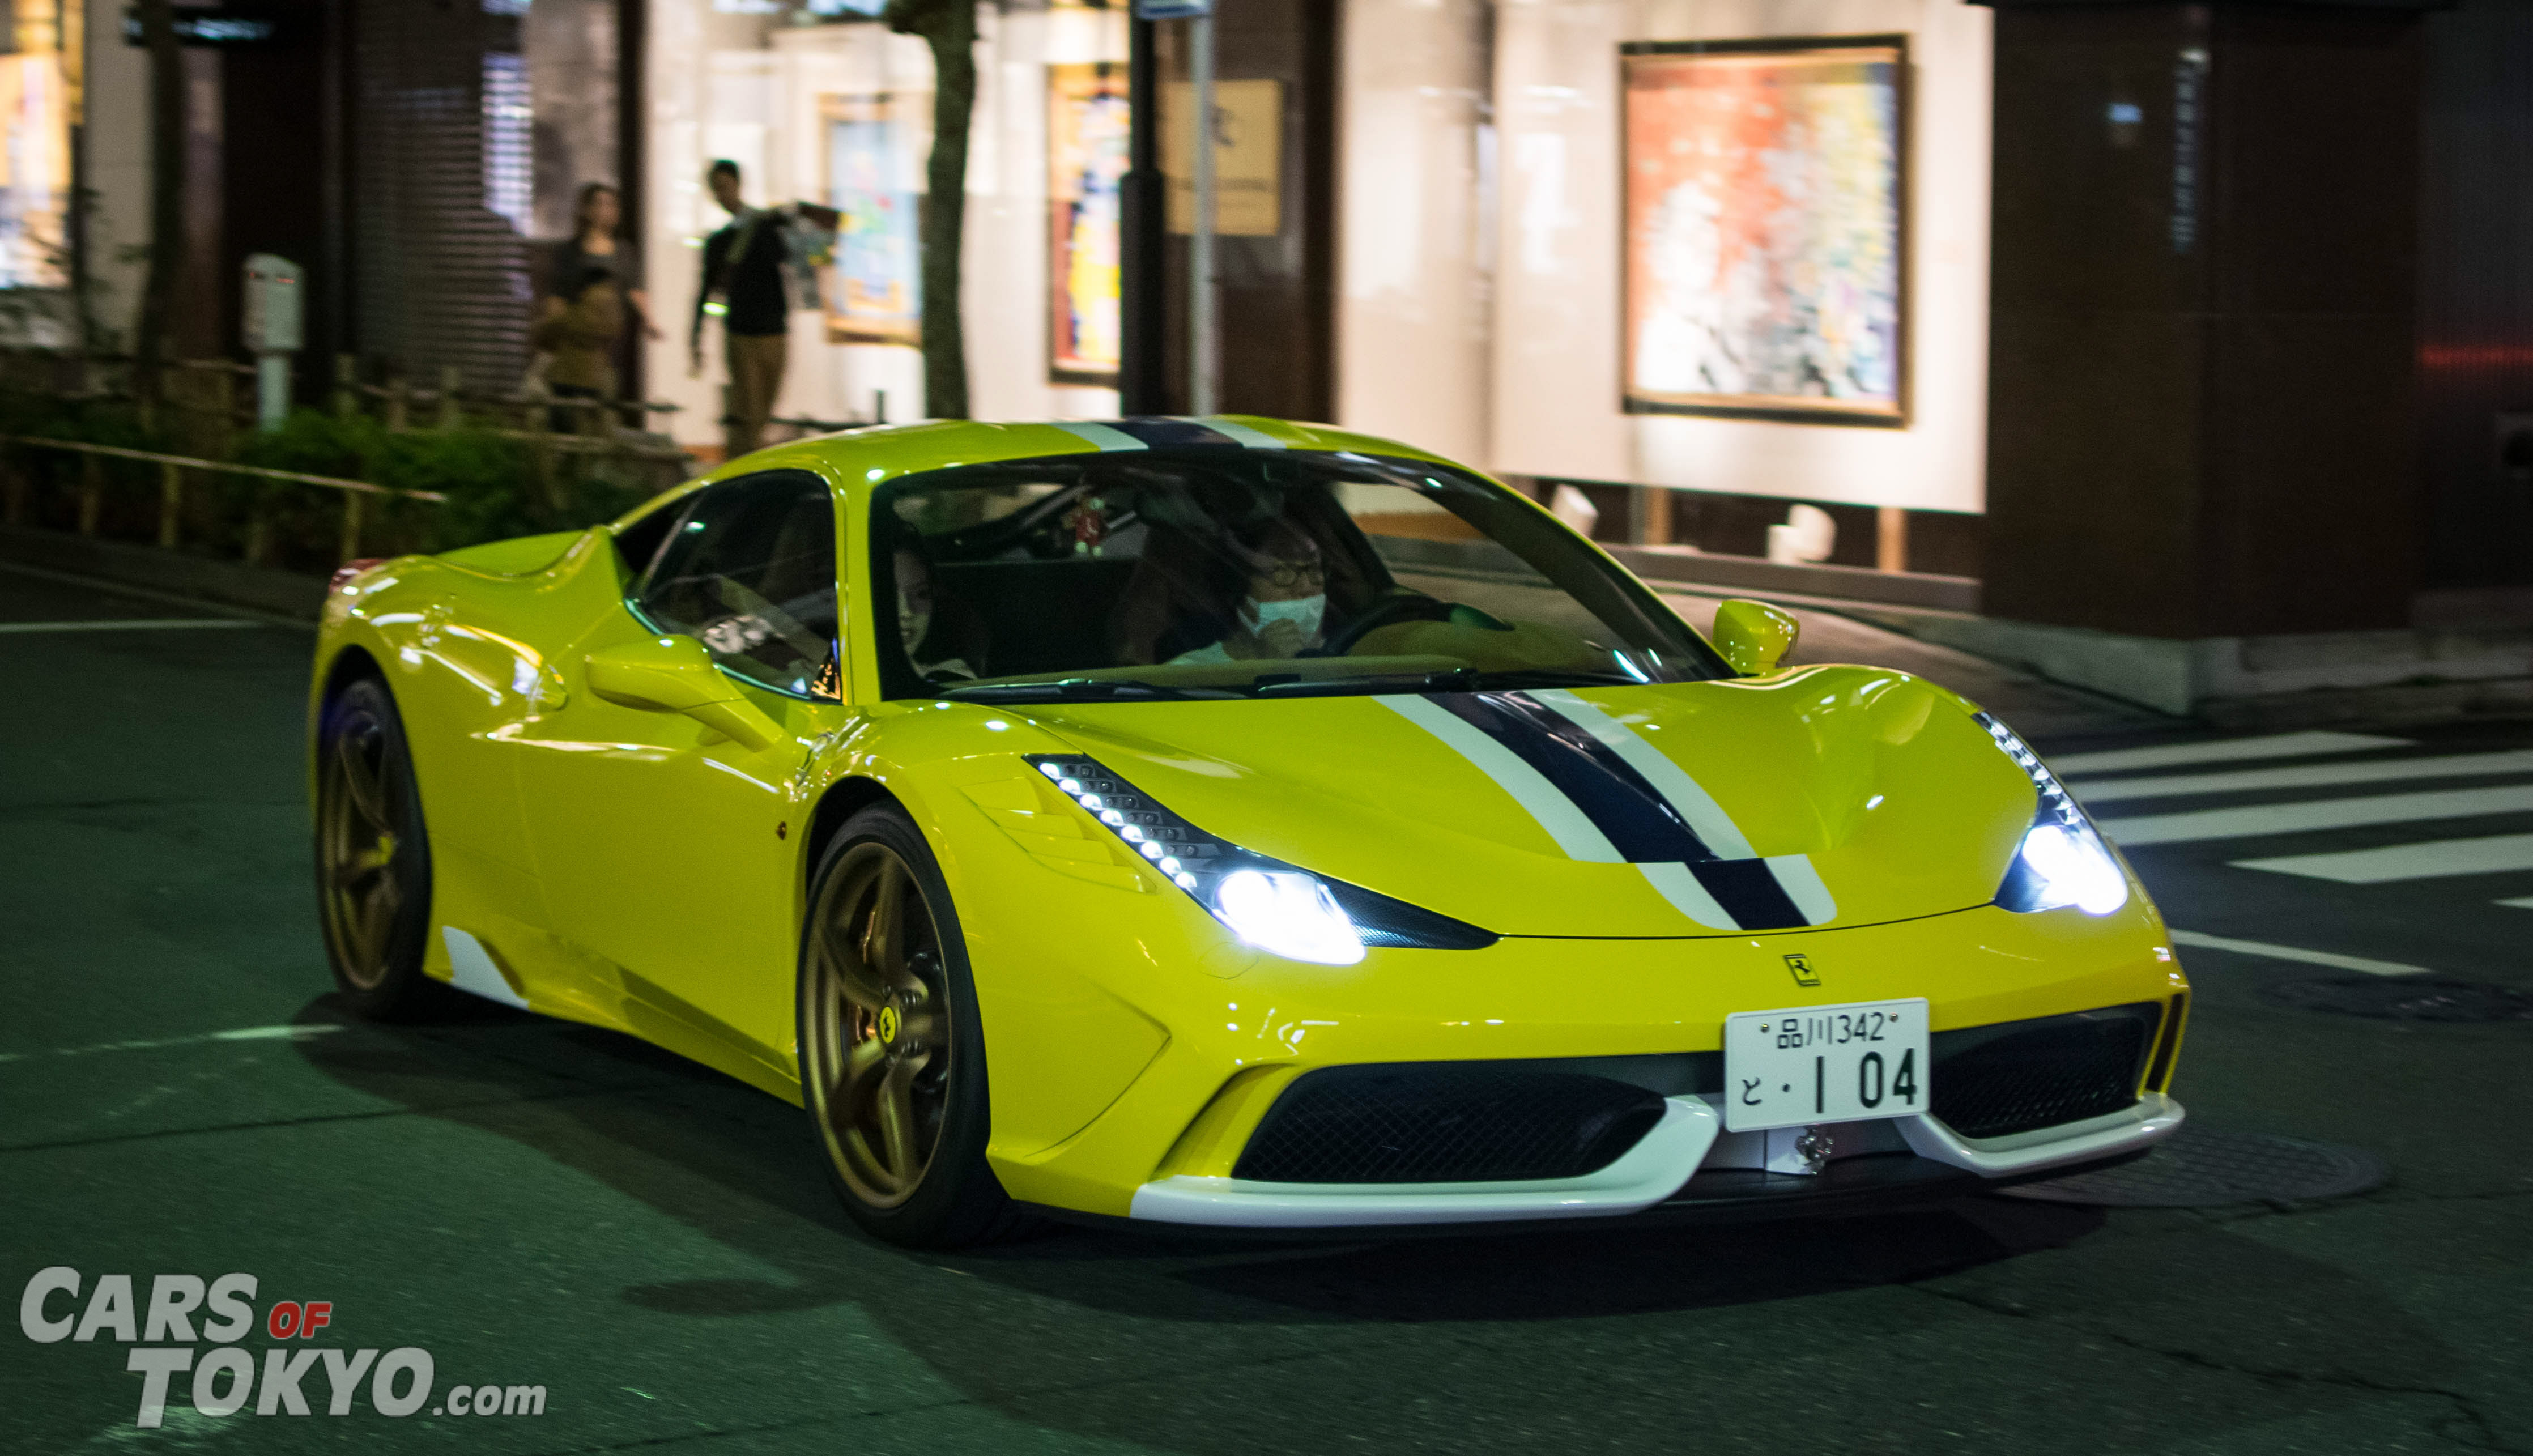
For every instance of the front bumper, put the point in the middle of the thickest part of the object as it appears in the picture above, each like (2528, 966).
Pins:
(1667, 1166)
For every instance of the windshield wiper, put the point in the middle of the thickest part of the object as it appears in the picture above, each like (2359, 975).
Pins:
(1077, 690)
(1451, 680)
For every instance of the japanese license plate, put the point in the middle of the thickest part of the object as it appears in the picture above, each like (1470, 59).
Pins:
(1824, 1064)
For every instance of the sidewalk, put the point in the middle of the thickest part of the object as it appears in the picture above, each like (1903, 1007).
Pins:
(2035, 707)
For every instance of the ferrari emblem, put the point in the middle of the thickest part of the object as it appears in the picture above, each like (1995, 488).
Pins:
(888, 1023)
(1801, 966)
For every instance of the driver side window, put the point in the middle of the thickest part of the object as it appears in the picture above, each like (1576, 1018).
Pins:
(749, 571)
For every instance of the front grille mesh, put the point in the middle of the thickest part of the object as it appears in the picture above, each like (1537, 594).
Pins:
(1446, 1123)
(1993, 1081)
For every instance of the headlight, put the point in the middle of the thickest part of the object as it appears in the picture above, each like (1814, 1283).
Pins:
(2063, 860)
(1267, 903)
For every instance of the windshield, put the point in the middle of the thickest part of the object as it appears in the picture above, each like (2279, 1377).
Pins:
(1211, 573)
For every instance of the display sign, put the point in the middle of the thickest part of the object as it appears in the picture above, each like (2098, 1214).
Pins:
(1086, 135)
(1248, 156)
(876, 142)
(1172, 9)
(227, 25)
(1764, 206)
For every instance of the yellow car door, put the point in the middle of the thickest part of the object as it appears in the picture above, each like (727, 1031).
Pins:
(663, 805)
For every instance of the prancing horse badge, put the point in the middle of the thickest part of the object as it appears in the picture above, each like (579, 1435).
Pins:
(1801, 966)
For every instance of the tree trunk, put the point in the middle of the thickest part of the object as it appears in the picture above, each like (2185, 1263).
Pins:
(950, 28)
(167, 197)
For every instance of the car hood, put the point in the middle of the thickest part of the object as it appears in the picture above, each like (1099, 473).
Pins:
(1820, 796)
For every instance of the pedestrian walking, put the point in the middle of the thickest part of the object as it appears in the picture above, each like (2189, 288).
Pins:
(757, 269)
(593, 289)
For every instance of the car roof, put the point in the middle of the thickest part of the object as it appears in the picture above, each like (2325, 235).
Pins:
(856, 462)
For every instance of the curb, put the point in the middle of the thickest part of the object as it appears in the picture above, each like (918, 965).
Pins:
(261, 589)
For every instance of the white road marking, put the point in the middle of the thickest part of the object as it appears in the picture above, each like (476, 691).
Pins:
(242, 1034)
(130, 624)
(2525, 904)
(2291, 953)
(2337, 813)
(2308, 776)
(2429, 859)
(2220, 750)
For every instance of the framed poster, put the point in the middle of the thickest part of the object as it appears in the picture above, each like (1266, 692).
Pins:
(875, 146)
(1085, 166)
(1766, 209)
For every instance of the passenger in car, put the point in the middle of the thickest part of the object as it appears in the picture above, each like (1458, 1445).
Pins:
(915, 618)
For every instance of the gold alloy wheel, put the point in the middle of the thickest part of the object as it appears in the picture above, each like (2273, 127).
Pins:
(876, 1067)
(360, 824)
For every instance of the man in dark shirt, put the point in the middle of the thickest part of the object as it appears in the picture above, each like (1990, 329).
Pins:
(743, 281)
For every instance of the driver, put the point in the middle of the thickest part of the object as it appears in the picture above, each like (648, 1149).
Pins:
(1284, 603)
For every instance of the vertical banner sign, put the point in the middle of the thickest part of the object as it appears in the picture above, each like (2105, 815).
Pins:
(1088, 126)
(1247, 157)
(875, 146)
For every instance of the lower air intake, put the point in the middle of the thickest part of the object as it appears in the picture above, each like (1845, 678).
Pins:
(2017, 1077)
(1479, 1122)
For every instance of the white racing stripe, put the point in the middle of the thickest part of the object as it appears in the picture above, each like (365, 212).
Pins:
(2339, 813)
(130, 624)
(1706, 818)
(2308, 776)
(1573, 832)
(2270, 951)
(2222, 750)
(2431, 860)
(1686, 895)
(1802, 885)
(1102, 435)
(1256, 439)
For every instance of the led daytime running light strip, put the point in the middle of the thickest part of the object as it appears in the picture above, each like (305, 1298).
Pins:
(1184, 855)
(2055, 802)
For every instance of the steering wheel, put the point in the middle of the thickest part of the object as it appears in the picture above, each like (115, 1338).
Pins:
(1405, 607)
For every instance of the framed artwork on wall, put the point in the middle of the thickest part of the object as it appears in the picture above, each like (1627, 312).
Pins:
(1765, 229)
(1085, 161)
(876, 142)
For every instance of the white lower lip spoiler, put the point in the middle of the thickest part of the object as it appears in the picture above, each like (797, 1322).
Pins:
(1653, 1170)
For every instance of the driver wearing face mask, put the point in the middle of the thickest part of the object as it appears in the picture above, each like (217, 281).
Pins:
(1284, 603)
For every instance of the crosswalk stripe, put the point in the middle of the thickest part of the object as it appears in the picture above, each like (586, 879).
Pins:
(2307, 776)
(2298, 818)
(2292, 952)
(2222, 750)
(2488, 856)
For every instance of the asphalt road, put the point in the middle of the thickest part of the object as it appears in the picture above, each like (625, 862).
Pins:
(535, 1204)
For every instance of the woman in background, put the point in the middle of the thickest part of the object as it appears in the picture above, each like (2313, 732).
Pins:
(594, 280)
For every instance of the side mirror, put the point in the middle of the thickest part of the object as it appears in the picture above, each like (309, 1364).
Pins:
(1754, 636)
(675, 674)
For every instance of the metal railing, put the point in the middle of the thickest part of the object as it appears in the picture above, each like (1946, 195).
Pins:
(171, 489)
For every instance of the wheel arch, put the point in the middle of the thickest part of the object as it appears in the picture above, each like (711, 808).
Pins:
(841, 801)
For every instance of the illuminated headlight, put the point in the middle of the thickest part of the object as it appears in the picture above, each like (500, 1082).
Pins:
(1288, 912)
(2063, 860)
(1273, 905)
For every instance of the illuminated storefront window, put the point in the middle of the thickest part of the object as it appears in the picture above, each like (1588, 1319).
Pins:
(38, 87)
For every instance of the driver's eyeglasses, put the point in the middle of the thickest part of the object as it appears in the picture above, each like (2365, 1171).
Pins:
(1286, 575)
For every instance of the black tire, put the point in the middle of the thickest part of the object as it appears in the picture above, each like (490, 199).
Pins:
(372, 857)
(890, 1038)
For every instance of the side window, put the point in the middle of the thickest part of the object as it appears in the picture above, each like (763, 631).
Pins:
(750, 571)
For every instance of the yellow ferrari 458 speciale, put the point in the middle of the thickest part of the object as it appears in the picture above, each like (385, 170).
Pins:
(1227, 822)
